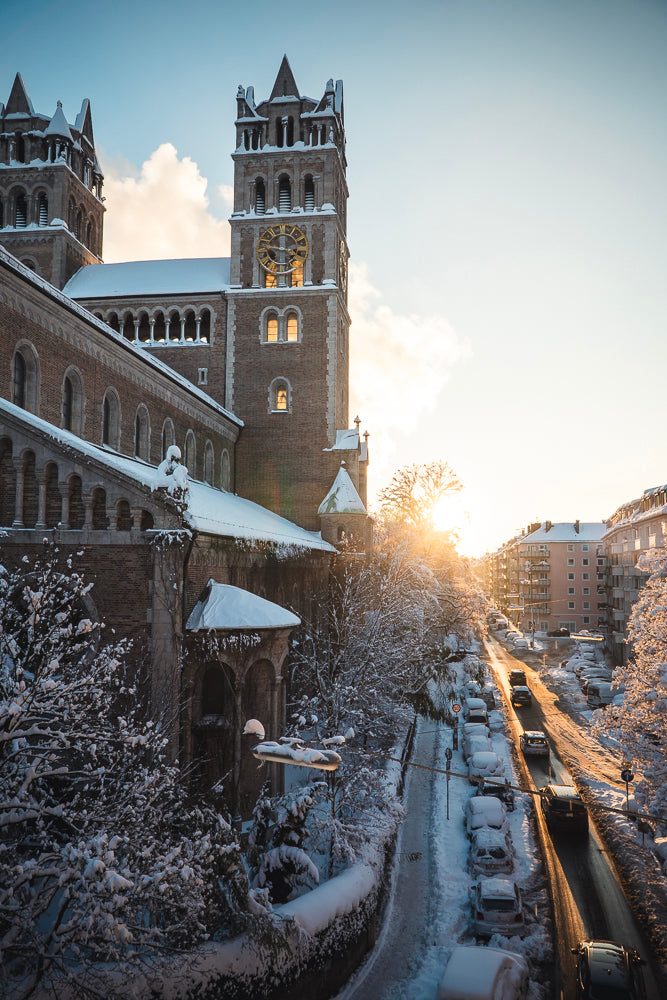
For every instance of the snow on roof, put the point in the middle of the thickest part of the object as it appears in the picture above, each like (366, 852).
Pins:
(210, 511)
(342, 498)
(589, 531)
(196, 276)
(58, 124)
(346, 440)
(224, 607)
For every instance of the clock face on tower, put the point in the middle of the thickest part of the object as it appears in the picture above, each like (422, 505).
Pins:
(282, 248)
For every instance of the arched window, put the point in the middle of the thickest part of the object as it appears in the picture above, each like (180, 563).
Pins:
(43, 210)
(260, 197)
(142, 433)
(284, 195)
(25, 379)
(7, 482)
(76, 509)
(21, 211)
(208, 463)
(225, 471)
(123, 516)
(30, 490)
(111, 419)
(100, 519)
(292, 323)
(280, 396)
(72, 402)
(53, 500)
(271, 328)
(190, 453)
(20, 147)
(309, 194)
(90, 234)
(168, 436)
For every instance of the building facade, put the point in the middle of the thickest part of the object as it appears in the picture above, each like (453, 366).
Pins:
(117, 377)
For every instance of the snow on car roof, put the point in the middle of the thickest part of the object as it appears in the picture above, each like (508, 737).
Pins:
(534, 734)
(484, 757)
(489, 836)
(488, 806)
(472, 972)
(496, 887)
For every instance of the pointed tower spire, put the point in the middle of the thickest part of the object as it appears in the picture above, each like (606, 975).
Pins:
(84, 121)
(58, 124)
(285, 85)
(19, 102)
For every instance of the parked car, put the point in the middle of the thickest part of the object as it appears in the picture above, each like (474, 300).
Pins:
(563, 808)
(473, 704)
(515, 677)
(497, 907)
(557, 632)
(521, 643)
(521, 696)
(485, 764)
(481, 973)
(476, 742)
(473, 690)
(496, 789)
(480, 811)
(474, 729)
(608, 969)
(601, 693)
(594, 678)
(491, 852)
(534, 743)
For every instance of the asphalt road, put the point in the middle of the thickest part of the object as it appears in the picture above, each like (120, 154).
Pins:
(587, 895)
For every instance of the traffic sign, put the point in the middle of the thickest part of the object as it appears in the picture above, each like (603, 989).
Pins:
(456, 709)
(627, 775)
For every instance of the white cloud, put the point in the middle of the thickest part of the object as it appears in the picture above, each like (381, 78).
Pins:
(161, 211)
(398, 366)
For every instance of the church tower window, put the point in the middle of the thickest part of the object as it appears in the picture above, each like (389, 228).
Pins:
(292, 327)
(168, 436)
(272, 328)
(284, 195)
(43, 210)
(260, 197)
(309, 194)
(111, 419)
(190, 453)
(142, 434)
(280, 396)
(21, 211)
(208, 463)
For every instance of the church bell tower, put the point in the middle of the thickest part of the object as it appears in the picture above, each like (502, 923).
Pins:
(288, 323)
(51, 210)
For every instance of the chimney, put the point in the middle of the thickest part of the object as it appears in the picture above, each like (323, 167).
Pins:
(548, 525)
(576, 526)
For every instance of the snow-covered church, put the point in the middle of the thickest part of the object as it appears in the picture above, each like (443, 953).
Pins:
(118, 377)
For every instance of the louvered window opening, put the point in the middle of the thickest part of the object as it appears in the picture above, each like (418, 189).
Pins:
(21, 212)
(309, 198)
(43, 210)
(260, 200)
(284, 196)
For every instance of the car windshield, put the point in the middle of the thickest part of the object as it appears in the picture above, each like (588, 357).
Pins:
(498, 905)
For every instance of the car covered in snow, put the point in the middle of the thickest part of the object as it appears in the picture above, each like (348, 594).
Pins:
(607, 969)
(480, 811)
(474, 690)
(521, 643)
(496, 789)
(563, 808)
(485, 764)
(491, 852)
(497, 907)
(474, 710)
(522, 696)
(515, 677)
(534, 743)
(481, 973)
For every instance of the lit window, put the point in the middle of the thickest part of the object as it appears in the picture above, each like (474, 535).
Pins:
(292, 327)
(280, 396)
(272, 329)
(281, 399)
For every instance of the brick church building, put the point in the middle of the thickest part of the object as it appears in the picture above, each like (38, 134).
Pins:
(117, 376)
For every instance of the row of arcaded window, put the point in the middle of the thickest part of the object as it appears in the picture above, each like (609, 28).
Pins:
(165, 327)
(283, 132)
(19, 209)
(39, 498)
(283, 198)
(25, 394)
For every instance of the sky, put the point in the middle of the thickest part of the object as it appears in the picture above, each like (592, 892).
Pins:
(507, 219)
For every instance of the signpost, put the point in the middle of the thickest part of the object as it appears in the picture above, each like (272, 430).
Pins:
(448, 755)
(627, 776)
(456, 709)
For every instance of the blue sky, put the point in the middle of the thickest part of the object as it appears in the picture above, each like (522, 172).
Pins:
(507, 215)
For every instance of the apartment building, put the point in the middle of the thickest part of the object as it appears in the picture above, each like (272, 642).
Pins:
(633, 530)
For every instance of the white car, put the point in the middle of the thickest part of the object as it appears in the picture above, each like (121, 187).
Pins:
(485, 764)
(476, 743)
(497, 907)
(481, 811)
(521, 643)
(481, 973)
(491, 852)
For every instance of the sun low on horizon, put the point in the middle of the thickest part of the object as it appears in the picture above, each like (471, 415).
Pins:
(458, 514)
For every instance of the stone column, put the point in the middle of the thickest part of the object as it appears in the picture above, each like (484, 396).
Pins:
(41, 506)
(18, 500)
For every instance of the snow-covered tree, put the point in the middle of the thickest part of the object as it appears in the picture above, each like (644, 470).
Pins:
(277, 838)
(103, 854)
(639, 722)
(414, 491)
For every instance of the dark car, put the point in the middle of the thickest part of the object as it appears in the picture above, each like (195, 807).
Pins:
(563, 808)
(534, 743)
(500, 790)
(554, 633)
(608, 970)
(521, 696)
(516, 677)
